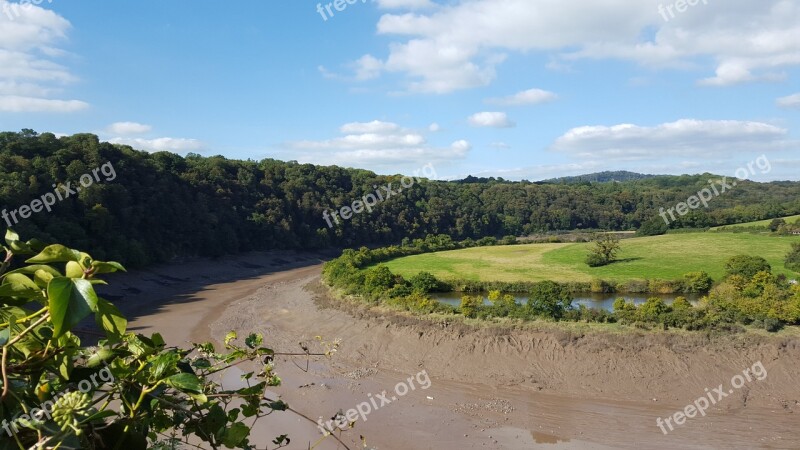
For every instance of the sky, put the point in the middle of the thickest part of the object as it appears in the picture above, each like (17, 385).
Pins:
(519, 89)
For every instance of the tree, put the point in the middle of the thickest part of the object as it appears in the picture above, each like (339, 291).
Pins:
(793, 258)
(605, 250)
(424, 282)
(776, 224)
(746, 266)
(128, 391)
(379, 279)
(549, 299)
(653, 227)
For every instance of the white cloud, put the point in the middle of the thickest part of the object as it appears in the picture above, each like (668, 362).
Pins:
(529, 97)
(491, 119)
(29, 76)
(176, 145)
(16, 103)
(686, 138)
(376, 145)
(434, 127)
(128, 128)
(376, 126)
(792, 101)
(405, 4)
(500, 145)
(459, 45)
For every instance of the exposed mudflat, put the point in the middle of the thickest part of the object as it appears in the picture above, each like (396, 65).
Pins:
(488, 388)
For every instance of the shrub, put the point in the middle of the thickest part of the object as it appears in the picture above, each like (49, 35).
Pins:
(653, 227)
(697, 282)
(652, 310)
(379, 279)
(595, 260)
(746, 266)
(793, 258)
(424, 282)
(470, 305)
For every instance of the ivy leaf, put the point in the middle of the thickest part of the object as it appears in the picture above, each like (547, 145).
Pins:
(235, 434)
(71, 300)
(55, 253)
(19, 285)
(35, 268)
(111, 320)
(186, 382)
(107, 267)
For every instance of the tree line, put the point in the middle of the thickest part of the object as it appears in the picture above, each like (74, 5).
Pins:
(162, 205)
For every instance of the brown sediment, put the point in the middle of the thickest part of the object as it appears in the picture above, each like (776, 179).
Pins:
(497, 387)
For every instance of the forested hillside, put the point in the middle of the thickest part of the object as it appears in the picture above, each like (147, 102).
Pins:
(162, 205)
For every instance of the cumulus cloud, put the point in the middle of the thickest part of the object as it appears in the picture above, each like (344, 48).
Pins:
(460, 45)
(791, 101)
(377, 145)
(176, 145)
(529, 97)
(18, 103)
(128, 128)
(686, 138)
(30, 77)
(405, 4)
(491, 119)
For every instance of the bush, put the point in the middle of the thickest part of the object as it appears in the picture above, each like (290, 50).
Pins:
(793, 258)
(470, 305)
(746, 266)
(595, 260)
(653, 227)
(379, 279)
(424, 282)
(697, 282)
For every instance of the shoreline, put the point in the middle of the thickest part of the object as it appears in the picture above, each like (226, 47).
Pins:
(503, 389)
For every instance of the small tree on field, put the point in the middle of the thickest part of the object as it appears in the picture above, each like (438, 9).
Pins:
(793, 258)
(605, 251)
(776, 224)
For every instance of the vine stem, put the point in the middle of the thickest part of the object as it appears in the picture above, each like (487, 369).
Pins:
(12, 342)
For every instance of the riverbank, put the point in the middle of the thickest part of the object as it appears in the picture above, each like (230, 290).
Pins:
(490, 387)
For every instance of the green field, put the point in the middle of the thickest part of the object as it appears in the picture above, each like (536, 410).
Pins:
(760, 223)
(664, 257)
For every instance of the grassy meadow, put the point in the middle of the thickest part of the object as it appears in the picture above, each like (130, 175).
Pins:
(760, 223)
(663, 257)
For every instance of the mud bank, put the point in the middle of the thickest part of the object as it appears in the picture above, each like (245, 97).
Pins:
(490, 388)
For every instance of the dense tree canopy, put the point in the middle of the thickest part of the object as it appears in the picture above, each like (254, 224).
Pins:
(162, 205)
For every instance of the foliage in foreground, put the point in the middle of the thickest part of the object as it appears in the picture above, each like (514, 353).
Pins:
(126, 392)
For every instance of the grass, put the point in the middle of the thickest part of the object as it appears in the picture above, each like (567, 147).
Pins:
(760, 223)
(665, 257)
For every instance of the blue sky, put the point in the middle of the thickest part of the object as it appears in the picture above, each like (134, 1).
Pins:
(528, 89)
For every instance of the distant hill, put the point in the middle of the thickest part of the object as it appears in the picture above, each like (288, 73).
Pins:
(602, 177)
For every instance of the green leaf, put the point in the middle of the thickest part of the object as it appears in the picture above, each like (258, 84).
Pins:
(55, 253)
(102, 355)
(163, 364)
(11, 236)
(111, 320)
(74, 270)
(19, 285)
(186, 382)
(71, 300)
(35, 268)
(235, 434)
(107, 267)
(230, 337)
(254, 340)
